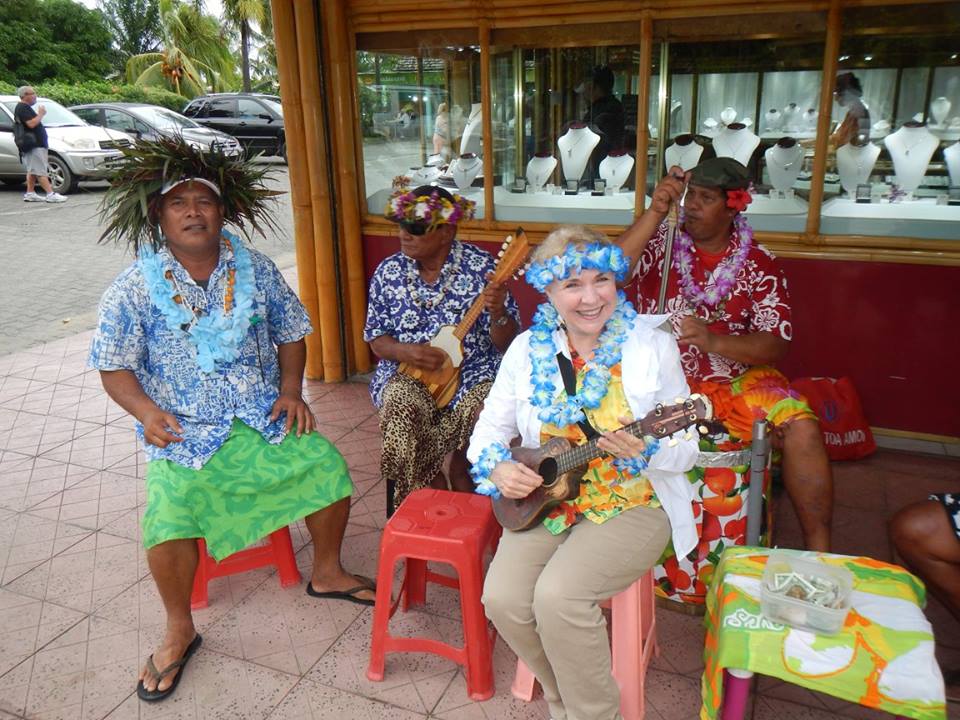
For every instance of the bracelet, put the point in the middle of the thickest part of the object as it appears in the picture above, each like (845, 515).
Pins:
(482, 469)
(636, 465)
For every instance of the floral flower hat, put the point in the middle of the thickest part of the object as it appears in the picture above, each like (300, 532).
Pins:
(424, 209)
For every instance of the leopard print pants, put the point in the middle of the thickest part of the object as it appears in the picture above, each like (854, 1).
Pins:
(417, 436)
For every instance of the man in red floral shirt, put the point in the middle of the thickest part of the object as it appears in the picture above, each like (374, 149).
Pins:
(730, 309)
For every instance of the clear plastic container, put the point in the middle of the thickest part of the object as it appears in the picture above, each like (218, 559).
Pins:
(830, 583)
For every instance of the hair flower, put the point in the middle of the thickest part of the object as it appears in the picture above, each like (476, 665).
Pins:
(738, 199)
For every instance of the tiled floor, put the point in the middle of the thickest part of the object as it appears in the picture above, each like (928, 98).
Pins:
(78, 610)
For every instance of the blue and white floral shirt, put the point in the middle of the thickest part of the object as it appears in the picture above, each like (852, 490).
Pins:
(132, 335)
(393, 312)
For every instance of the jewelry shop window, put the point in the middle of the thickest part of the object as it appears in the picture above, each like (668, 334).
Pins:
(755, 100)
(420, 113)
(565, 125)
(894, 167)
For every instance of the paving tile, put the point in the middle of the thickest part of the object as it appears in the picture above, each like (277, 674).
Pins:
(315, 701)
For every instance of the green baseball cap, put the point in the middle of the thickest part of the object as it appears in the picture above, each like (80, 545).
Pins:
(721, 172)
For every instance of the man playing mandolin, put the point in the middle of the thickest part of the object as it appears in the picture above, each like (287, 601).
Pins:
(544, 585)
(427, 286)
(730, 309)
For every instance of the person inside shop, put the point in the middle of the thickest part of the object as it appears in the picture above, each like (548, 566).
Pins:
(429, 284)
(544, 585)
(730, 309)
(441, 132)
(201, 341)
(856, 123)
(926, 534)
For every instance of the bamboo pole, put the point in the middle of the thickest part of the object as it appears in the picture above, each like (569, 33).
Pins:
(642, 160)
(284, 27)
(342, 92)
(316, 153)
(487, 110)
(831, 50)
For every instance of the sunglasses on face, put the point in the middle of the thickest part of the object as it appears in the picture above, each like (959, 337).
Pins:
(417, 229)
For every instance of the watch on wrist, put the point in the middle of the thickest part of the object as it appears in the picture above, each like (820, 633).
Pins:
(502, 320)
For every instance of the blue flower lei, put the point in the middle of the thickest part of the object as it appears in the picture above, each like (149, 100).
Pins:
(636, 465)
(563, 410)
(481, 470)
(217, 335)
(601, 257)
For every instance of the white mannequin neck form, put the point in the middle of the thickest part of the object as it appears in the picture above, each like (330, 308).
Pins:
(686, 156)
(539, 170)
(952, 157)
(575, 146)
(465, 169)
(855, 165)
(472, 139)
(784, 164)
(615, 169)
(738, 143)
(911, 148)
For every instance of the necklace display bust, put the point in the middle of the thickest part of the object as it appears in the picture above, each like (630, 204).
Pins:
(951, 156)
(790, 117)
(424, 175)
(539, 170)
(855, 164)
(736, 141)
(810, 119)
(911, 148)
(615, 169)
(939, 110)
(465, 169)
(784, 161)
(471, 141)
(685, 152)
(771, 119)
(728, 115)
(575, 147)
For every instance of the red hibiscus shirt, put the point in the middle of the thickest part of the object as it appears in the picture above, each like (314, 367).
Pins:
(759, 302)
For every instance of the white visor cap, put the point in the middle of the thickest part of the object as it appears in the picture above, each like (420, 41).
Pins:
(167, 187)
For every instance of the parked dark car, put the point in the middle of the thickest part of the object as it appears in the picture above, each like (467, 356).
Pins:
(151, 122)
(253, 119)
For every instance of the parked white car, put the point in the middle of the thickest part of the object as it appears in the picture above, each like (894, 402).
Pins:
(78, 151)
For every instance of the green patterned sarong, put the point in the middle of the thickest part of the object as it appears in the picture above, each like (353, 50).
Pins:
(248, 489)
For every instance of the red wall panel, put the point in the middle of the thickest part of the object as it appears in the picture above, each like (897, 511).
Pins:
(890, 327)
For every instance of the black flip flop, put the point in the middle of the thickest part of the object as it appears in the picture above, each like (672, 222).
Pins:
(348, 595)
(158, 695)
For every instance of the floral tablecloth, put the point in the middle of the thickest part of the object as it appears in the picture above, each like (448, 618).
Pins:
(882, 658)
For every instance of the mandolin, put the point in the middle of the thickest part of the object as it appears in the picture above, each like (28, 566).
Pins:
(443, 382)
(561, 465)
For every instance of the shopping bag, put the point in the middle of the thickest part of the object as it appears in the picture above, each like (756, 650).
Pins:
(846, 433)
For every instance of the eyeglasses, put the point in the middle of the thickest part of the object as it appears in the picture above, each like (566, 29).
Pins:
(416, 229)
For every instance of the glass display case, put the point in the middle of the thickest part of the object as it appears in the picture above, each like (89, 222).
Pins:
(568, 145)
(752, 100)
(420, 115)
(898, 174)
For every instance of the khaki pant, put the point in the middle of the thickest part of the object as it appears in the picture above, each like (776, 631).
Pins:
(543, 591)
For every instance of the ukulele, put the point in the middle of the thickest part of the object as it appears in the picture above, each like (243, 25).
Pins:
(562, 466)
(443, 382)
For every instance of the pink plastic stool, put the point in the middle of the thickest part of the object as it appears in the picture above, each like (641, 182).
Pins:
(634, 644)
(448, 527)
(278, 552)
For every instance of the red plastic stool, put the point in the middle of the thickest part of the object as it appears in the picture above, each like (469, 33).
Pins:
(278, 551)
(634, 645)
(442, 526)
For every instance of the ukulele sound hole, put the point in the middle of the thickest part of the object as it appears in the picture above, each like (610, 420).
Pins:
(548, 471)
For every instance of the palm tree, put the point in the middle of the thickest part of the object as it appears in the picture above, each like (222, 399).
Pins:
(194, 56)
(242, 14)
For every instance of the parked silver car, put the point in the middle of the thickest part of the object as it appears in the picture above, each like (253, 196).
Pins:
(78, 151)
(151, 122)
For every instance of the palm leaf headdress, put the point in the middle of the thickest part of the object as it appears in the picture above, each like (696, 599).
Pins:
(129, 209)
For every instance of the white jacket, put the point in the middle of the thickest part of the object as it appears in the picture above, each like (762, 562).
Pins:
(651, 374)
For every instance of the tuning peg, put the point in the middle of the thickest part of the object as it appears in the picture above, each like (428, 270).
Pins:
(521, 271)
(696, 396)
(688, 435)
(678, 400)
(673, 442)
(505, 245)
(704, 430)
(500, 254)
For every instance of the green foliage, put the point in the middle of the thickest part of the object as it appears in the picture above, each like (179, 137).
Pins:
(102, 91)
(135, 26)
(46, 39)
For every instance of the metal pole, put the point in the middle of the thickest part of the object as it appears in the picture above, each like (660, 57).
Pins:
(667, 258)
(759, 455)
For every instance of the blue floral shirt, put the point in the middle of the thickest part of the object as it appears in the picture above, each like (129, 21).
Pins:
(393, 311)
(132, 335)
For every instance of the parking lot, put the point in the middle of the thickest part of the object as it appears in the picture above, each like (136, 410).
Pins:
(54, 271)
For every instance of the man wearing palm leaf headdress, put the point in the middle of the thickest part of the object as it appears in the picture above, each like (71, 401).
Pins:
(730, 310)
(201, 340)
